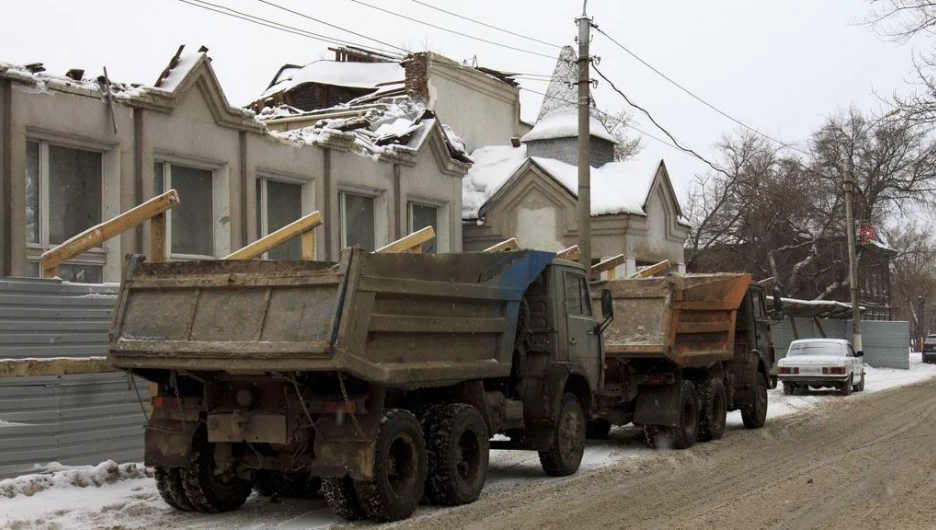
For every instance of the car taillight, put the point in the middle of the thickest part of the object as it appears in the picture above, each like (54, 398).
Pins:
(795, 370)
(784, 370)
(835, 370)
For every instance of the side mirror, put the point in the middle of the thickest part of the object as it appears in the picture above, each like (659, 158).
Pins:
(777, 305)
(859, 353)
(607, 304)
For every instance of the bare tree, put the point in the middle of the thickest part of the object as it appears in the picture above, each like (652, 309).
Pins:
(913, 276)
(617, 124)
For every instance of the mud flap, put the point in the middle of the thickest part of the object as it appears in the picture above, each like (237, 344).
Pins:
(346, 444)
(657, 405)
(542, 400)
(168, 443)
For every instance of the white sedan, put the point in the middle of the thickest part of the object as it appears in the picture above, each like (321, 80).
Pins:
(821, 363)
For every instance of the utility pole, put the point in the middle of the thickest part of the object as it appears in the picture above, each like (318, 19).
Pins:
(848, 183)
(584, 139)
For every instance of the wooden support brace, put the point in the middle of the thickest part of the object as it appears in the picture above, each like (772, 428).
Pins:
(411, 244)
(572, 253)
(609, 265)
(504, 246)
(96, 235)
(652, 270)
(300, 227)
(54, 367)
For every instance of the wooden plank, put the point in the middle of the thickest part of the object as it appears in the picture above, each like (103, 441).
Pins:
(572, 253)
(651, 270)
(504, 246)
(158, 227)
(608, 265)
(407, 243)
(54, 367)
(96, 235)
(296, 228)
(411, 324)
(308, 245)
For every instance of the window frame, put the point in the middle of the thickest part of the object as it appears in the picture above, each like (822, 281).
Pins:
(438, 223)
(94, 257)
(581, 288)
(305, 201)
(342, 209)
(216, 193)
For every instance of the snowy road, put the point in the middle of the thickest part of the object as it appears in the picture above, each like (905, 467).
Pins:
(514, 476)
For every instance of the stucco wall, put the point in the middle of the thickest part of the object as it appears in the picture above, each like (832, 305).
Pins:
(566, 150)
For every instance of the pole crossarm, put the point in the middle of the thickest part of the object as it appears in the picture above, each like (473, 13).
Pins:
(411, 244)
(97, 235)
(301, 227)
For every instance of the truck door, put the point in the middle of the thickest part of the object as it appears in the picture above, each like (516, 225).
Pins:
(582, 342)
(762, 328)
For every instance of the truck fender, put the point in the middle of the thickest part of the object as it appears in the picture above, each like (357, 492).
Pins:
(168, 443)
(657, 405)
(542, 401)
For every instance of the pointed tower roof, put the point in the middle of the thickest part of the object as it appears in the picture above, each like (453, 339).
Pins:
(558, 116)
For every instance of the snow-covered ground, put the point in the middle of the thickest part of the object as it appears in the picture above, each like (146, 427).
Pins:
(122, 497)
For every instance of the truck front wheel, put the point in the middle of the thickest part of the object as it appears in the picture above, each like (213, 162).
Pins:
(457, 445)
(754, 413)
(682, 435)
(714, 410)
(399, 469)
(568, 444)
(211, 483)
(169, 485)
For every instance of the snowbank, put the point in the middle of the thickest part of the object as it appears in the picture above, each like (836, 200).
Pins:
(55, 475)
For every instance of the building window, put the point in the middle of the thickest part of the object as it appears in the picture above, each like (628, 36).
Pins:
(278, 204)
(420, 216)
(358, 220)
(191, 223)
(64, 197)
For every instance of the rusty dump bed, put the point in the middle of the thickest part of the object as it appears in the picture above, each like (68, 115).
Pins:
(687, 318)
(396, 319)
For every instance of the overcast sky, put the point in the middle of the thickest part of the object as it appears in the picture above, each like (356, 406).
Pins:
(781, 66)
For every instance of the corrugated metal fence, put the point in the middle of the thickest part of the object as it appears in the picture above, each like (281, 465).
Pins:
(886, 344)
(76, 419)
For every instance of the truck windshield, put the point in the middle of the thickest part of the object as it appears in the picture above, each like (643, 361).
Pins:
(830, 349)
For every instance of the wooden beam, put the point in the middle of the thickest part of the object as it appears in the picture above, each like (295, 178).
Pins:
(54, 367)
(609, 265)
(158, 232)
(96, 235)
(303, 225)
(652, 270)
(572, 253)
(409, 244)
(504, 246)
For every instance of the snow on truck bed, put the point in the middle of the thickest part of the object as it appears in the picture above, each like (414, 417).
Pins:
(123, 497)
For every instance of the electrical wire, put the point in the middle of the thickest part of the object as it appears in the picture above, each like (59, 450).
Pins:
(227, 11)
(658, 126)
(424, 23)
(485, 24)
(329, 24)
(694, 96)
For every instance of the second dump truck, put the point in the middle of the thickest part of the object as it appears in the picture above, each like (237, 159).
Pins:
(383, 378)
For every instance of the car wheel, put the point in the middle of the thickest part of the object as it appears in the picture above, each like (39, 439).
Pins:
(860, 386)
(846, 387)
(789, 388)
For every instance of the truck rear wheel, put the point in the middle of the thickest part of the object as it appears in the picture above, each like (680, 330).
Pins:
(568, 444)
(399, 469)
(714, 409)
(754, 413)
(683, 435)
(457, 446)
(211, 484)
(341, 498)
(169, 484)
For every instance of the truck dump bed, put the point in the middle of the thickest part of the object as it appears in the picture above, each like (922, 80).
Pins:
(396, 319)
(687, 318)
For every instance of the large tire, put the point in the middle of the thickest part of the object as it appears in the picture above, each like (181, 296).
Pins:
(598, 429)
(399, 469)
(789, 388)
(457, 447)
(846, 388)
(290, 485)
(568, 443)
(754, 413)
(686, 431)
(169, 484)
(713, 410)
(208, 490)
(341, 498)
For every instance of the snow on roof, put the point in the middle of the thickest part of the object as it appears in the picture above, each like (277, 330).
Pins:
(618, 187)
(175, 73)
(338, 73)
(564, 124)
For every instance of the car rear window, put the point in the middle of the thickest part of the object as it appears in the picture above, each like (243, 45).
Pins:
(817, 348)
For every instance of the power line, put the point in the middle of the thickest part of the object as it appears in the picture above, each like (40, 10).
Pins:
(658, 126)
(485, 24)
(697, 98)
(507, 46)
(227, 11)
(303, 15)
